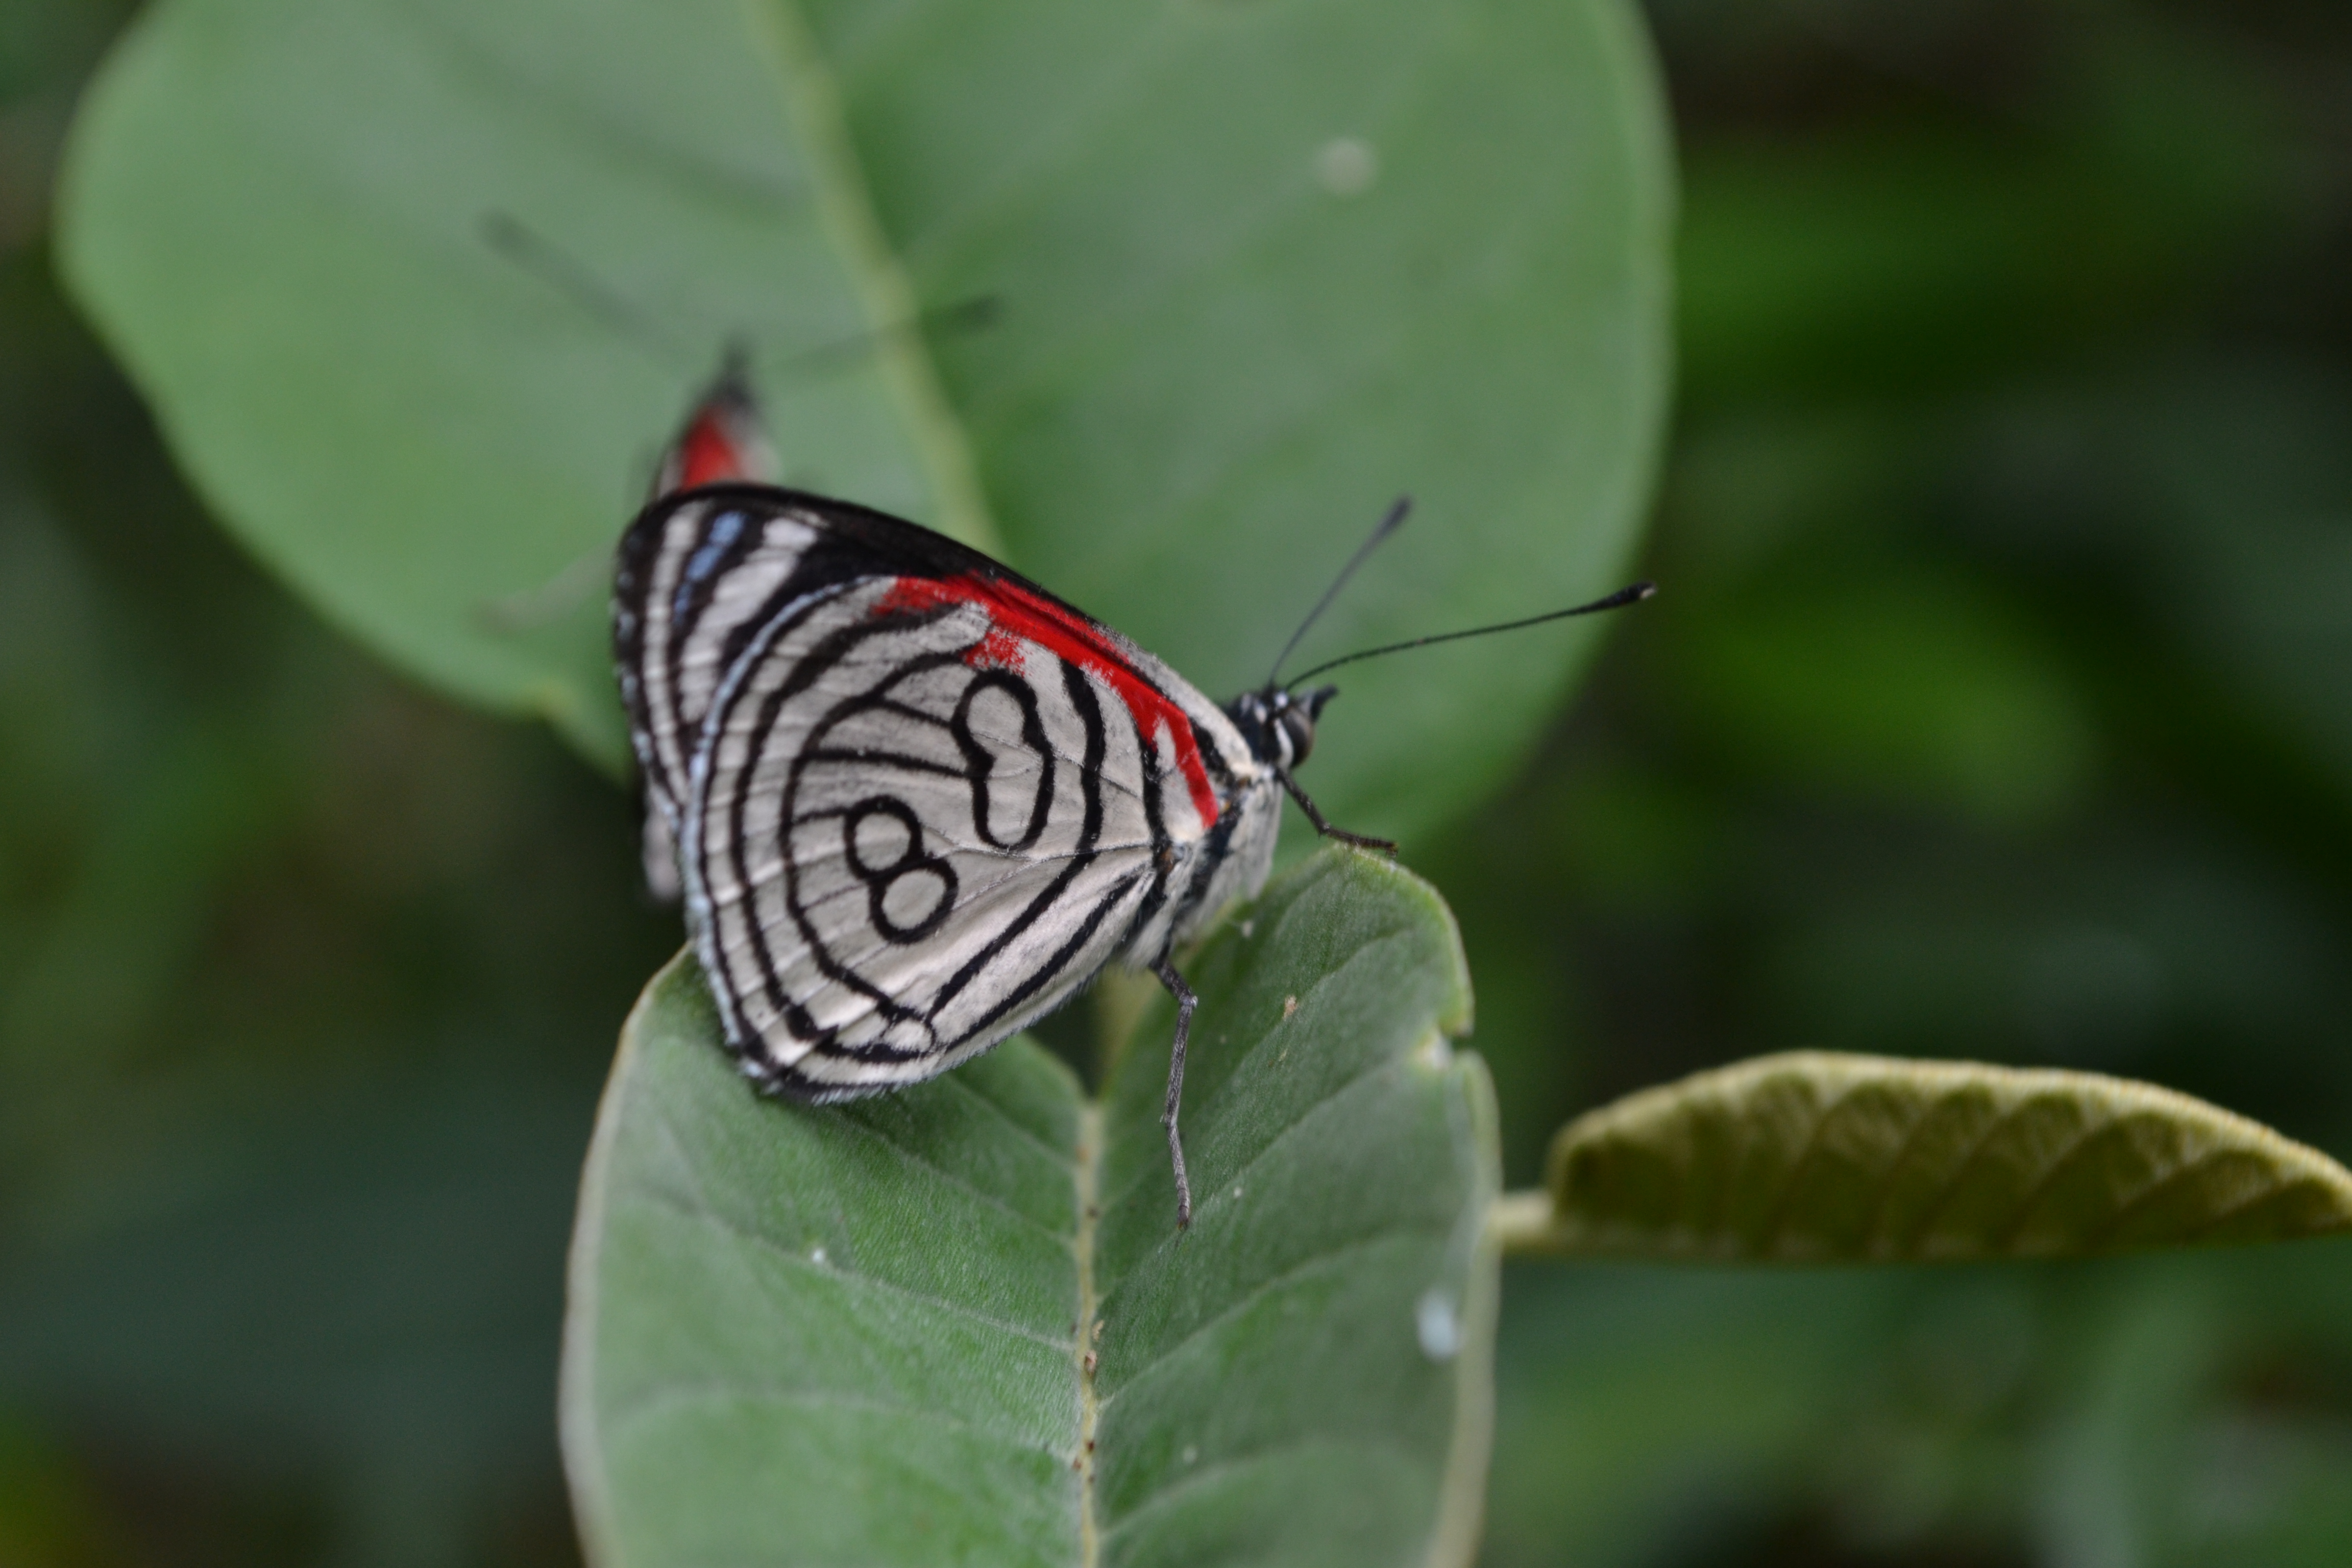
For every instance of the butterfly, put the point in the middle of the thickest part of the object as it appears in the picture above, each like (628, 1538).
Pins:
(915, 802)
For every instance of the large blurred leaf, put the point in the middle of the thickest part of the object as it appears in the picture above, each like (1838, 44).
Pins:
(1819, 1157)
(1262, 268)
(958, 1323)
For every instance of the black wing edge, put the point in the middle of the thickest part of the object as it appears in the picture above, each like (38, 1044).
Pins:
(860, 542)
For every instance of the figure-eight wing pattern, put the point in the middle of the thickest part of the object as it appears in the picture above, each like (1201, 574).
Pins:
(918, 801)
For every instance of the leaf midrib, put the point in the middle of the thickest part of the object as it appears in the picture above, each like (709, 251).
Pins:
(813, 108)
(1086, 1186)
(1210, 1105)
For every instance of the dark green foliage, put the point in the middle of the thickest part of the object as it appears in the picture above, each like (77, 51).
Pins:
(1993, 710)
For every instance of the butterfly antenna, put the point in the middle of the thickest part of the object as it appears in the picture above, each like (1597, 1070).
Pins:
(960, 316)
(547, 261)
(1617, 600)
(544, 259)
(1390, 522)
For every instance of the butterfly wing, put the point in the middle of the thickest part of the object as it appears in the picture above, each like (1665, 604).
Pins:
(720, 442)
(919, 801)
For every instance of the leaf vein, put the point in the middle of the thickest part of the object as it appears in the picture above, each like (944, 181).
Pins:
(855, 1277)
(1222, 1468)
(1951, 1184)
(1872, 1236)
(1296, 1271)
(2036, 1189)
(1058, 1156)
(1777, 1219)
(2156, 1188)
(659, 1400)
(1207, 1111)
(1282, 1134)
(907, 1153)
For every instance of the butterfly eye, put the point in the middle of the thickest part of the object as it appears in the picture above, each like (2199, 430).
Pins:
(1298, 732)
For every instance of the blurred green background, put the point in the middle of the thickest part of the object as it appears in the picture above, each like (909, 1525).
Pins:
(1997, 707)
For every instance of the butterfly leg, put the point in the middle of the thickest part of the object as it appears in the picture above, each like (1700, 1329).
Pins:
(1386, 846)
(1185, 1003)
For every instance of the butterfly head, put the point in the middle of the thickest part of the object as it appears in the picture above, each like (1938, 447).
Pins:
(1279, 723)
(724, 438)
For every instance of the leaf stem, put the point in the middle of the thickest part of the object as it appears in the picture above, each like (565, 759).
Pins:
(1522, 1222)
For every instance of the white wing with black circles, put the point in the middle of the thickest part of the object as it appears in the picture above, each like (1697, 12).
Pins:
(693, 585)
(920, 802)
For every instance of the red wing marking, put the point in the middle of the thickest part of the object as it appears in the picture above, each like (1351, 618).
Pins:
(1016, 613)
(708, 453)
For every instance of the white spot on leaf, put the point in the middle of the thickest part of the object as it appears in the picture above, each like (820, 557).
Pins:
(1347, 166)
(1438, 1325)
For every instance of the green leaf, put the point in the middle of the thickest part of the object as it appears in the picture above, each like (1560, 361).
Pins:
(1820, 1157)
(1261, 267)
(958, 1323)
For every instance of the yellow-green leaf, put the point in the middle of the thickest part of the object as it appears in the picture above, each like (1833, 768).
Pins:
(1820, 1157)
